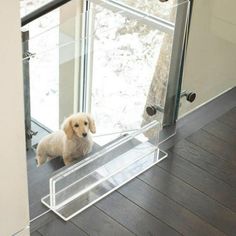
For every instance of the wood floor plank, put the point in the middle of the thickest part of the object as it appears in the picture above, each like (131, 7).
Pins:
(35, 233)
(198, 203)
(214, 145)
(229, 118)
(222, 131)
(31, 163)
(60, 228)
(44, 219)
(44, 172)
(214, 165)
(38, 191)
(133, 217)
(168, 211)
(37, 208)
(96, 223)
(200, 179)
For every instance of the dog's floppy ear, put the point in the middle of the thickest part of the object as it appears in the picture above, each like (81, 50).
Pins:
(92, 125)
(67, 127)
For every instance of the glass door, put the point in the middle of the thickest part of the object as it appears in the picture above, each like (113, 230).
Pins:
(133, 63)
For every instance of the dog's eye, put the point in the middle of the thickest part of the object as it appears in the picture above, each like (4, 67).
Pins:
(85, 123)
(76, 125)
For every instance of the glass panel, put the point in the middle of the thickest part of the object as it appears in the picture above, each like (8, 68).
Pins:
(81, 185)
(129, 66)
(51, 47)
(209, 68)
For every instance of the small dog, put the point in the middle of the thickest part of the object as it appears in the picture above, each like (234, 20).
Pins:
(71, 142)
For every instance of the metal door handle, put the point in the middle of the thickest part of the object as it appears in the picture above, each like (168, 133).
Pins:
(152, 110)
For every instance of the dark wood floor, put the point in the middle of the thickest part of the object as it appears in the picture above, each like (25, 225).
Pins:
(192, 192)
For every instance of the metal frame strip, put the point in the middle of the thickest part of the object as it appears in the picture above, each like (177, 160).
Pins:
(175, 75)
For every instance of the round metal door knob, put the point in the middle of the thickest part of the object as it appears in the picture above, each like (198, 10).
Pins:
(191, 97)
(151, 110)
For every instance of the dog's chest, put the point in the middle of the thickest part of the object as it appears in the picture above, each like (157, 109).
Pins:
(80, 148)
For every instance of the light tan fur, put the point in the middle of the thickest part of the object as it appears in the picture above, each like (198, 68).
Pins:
(70, 142)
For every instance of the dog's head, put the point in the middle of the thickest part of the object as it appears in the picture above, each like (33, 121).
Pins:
(79, 124)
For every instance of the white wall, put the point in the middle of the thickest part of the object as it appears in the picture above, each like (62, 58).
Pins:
(211, 57)
(14, 213)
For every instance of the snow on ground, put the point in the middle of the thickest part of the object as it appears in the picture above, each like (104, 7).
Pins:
(124, 63)
(44, 84)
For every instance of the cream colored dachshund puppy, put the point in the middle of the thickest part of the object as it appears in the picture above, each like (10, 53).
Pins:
(71, 142)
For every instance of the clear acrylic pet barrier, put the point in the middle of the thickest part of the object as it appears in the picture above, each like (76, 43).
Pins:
(86, 182)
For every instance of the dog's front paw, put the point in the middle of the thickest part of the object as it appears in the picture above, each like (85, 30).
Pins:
(68, 160)
(39, 160)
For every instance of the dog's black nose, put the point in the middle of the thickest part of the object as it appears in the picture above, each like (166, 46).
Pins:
(84, 134)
